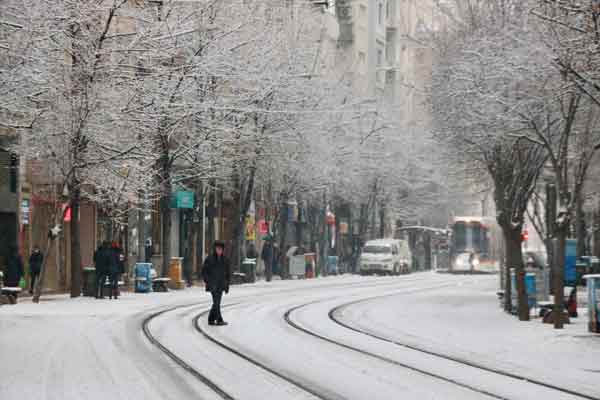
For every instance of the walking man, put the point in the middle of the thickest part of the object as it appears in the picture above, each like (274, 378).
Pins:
(216, 273)
(267, 257)
(117, 268)
(35, 266)
(104, 259)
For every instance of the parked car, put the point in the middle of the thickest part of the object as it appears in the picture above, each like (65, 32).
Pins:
(386, 256)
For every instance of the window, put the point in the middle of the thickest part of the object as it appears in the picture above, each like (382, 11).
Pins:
(389, 76)
(388, 12)
(361, 59)
(363, 11)
(379, 57)
(14, 173)
(380, 14)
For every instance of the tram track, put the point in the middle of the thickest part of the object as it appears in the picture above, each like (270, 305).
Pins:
(288, 319)
(463, 362)
(458, 360)
(178, 360)
(210, 383)
(294, 381)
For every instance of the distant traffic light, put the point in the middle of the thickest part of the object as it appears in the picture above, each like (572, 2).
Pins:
(524, 235)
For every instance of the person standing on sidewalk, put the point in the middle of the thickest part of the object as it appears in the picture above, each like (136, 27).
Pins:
(35, 266)
(117, 268)
(267, 256)
(216, 273)
(103, 260)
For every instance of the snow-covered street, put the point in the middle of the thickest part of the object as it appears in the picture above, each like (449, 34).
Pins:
(346, 337)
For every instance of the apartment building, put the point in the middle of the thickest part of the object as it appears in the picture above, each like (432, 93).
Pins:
(388, 42)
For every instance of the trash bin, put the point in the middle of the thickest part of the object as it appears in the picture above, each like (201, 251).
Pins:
(513, 290)
(249, 269)
(332, 265)
(530, 288)
(310, 265)
(143, 279)
(89, 281)
(593, 292)
(175, 273)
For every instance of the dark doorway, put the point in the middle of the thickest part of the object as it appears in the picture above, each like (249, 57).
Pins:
(8, 235)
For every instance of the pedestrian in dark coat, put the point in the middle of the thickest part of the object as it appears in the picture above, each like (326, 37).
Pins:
(148, 251)
(35, 266)
(216, 273)
(105, 263)
(117, 268)
(251, 251)
(267, 256)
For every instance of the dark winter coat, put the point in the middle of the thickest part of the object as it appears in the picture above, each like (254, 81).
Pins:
(267, 252)
(35, 262)
(119, 260)
(105, 261)
(14, 271)
(251, 252)
(216, 273)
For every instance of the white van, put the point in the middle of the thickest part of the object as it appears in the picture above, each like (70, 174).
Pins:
(386, 256)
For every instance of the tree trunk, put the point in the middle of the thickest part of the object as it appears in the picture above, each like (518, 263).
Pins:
(210, 222)
(284, 226)
(244, 201)
(558, 274)
(165, 208)
(382, 221)
(76, 270)
(514, 259)
(596, 235)
(427, 248)
(580, 228)
(165, 213)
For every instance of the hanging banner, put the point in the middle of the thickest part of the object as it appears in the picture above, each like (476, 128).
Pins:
(263, 227)
(68, 213)
(250, 228)
(343, 228)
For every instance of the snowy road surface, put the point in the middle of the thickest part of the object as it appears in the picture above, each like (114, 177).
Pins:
(420, 336)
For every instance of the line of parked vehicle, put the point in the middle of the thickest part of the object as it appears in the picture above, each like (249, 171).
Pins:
(386, 257)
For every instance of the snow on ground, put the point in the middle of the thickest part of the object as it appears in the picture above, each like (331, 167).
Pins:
(469, 323)
(94, 349)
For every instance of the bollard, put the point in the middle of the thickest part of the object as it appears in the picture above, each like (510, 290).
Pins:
(593, 291)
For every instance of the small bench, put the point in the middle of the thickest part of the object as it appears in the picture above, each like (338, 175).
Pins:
(11, 293)
(545, 307)
(237, 278)
(160, 284)
(500, 294)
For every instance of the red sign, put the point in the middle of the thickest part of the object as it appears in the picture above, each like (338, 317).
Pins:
(263, 227)
(66, 214)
